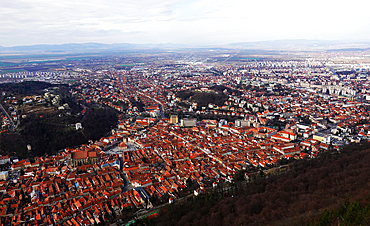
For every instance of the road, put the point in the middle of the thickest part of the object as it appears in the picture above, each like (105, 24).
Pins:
(158, 102)
(85, 112)
(12, 127)
(229, 57)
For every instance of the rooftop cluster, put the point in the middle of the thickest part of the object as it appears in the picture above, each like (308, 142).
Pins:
(272, 111)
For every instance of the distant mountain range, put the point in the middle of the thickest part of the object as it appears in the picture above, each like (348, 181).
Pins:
(302, 44)
(299, 45)
(84, 47)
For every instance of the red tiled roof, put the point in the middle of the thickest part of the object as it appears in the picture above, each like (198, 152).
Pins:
(79, 155)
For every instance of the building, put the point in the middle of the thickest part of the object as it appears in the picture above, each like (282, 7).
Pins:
(122, 146)
(322, 137)
(4, 175)
(287, 149)
(241, 123)
(78, 126)
(4, 160)
(222, 122)
(186, 122)
(209, 123)
(174, 119)
(83, 158)
(21, 164)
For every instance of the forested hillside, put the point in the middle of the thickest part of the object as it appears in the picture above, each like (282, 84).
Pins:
(47, 138)
(333, 187)
(46, 127)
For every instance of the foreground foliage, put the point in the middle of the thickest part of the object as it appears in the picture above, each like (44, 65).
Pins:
(311, 192)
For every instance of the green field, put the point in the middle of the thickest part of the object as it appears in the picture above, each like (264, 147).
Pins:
(245, 58)
(127, 65)
(78, 58)
(12, 71)
(6, 64)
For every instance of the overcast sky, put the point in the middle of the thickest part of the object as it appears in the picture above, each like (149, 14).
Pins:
(202, 22)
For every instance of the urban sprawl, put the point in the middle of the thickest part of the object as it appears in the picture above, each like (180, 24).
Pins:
(272, 111)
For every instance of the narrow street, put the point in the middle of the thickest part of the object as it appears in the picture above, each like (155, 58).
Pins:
(12, 127)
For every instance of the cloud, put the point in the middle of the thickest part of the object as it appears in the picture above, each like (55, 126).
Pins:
(179, 21)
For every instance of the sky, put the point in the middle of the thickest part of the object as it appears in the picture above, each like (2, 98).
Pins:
(202, 22)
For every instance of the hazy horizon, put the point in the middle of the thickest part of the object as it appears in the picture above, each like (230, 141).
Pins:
(285, 41)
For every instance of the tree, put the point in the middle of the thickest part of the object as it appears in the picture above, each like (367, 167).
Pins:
(326, 218)
(189, 183)
(262, 174)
